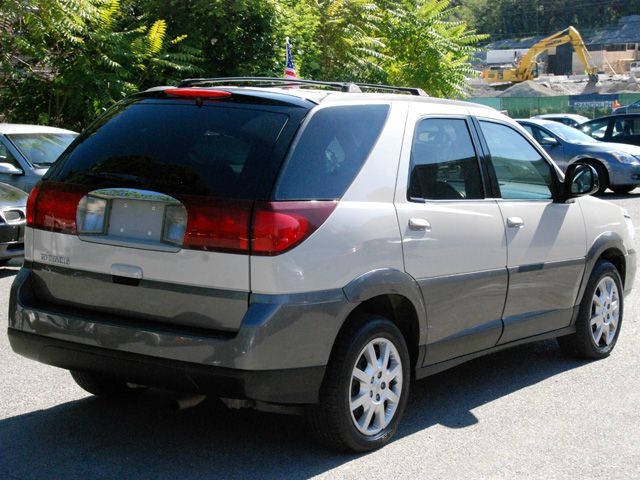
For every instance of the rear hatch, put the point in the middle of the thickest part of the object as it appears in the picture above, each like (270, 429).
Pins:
(147, 216)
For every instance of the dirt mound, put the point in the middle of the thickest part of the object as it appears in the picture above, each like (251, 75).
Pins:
(528, 89)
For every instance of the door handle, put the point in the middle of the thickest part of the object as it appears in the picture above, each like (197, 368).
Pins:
(419, 224)
(515, 222)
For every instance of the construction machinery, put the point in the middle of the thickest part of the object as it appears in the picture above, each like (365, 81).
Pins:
(527, 65)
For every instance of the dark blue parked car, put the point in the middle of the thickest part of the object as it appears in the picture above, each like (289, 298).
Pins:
(617, 164)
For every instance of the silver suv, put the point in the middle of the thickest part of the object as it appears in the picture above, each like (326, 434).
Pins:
(310, 250)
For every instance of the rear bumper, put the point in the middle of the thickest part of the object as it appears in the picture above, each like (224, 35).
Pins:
(294, 386)
(278, 355)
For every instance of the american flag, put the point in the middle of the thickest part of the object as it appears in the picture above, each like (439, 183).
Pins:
(290, 69)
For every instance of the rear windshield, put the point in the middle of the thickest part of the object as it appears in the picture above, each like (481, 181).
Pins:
(179, 147)
(330, 152)
(41, 149)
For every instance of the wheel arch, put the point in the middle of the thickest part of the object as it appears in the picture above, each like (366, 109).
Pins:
(591, 160)
(396, 296)
(607, 246)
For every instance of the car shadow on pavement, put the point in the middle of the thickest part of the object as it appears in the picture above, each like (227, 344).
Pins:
(9, 270)
(147, 437)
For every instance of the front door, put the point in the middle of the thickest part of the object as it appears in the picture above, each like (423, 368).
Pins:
(452, 235)
(546, 239)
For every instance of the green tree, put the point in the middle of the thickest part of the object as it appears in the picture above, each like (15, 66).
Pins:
(65, 61)
(236, 37)
(428, 48)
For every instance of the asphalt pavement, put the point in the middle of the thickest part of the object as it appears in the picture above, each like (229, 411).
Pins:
(528, 412)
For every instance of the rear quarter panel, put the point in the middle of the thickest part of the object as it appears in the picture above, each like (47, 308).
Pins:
(361, 235)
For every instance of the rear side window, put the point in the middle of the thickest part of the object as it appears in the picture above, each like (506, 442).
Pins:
(177, 147)
(330, 152)
(444, 165)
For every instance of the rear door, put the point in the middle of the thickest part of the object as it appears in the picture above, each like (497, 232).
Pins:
(452, 234)
(148, 216)
(546, 240)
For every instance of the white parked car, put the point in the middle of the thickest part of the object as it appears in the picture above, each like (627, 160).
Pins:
(311, 250)
(27, 151)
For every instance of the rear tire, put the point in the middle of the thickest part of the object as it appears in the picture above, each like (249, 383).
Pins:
(623, 189)
(102, 386)
(600, 315)
(365, 389)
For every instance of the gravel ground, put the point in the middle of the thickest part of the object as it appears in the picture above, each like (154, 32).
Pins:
(529, 412)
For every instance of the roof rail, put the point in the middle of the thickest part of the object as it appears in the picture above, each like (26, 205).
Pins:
(270, 82)
(411, 90)
(347, 87)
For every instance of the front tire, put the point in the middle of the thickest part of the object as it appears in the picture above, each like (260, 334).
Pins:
(600, 315)
(365, 389)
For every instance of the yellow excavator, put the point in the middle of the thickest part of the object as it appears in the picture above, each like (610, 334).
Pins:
(527, 65)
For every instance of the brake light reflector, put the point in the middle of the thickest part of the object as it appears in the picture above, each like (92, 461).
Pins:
(197, 92)
(31, 204)
(52, 206)
(217, 224)
(280, 226)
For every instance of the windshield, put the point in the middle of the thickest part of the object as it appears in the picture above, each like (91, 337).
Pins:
(570, 134)
(42, 149)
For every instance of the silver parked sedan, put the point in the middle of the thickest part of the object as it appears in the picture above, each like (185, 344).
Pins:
(13, 204)
(27, 151)
(617, 164)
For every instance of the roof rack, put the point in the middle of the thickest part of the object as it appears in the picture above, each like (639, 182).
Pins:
(347, 87)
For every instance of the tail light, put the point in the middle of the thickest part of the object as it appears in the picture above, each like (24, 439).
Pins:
(217, 224)
(200, 223)
(276, 227)
(52, 206)
(280, 226)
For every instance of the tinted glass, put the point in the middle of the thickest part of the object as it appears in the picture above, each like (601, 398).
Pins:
(42, 149)
(443, 162)
(570, 134)
(6, 157)
(330, 152)
(177, 147)
(521, 171)
(596, 129)
(625, 127)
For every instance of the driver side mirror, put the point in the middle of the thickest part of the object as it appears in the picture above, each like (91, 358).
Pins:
(580, 179)
(9, 169)
(549, 141)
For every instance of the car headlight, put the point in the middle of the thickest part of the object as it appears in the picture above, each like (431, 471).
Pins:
(623, 157)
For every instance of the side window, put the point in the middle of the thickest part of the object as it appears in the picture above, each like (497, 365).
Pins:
(6, 157)
(625, 127)
(521, 171)
(596, 129)
(330, 152)
(444, 165)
